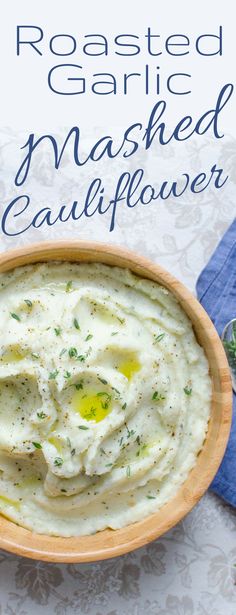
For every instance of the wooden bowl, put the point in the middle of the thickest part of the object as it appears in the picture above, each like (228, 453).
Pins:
(110, 543)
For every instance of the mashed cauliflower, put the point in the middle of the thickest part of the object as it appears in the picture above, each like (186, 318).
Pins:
(104, 397)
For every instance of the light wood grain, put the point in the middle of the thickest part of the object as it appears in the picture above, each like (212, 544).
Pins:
(110, 543)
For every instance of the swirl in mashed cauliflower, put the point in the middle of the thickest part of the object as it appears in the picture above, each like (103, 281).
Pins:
(104, 397)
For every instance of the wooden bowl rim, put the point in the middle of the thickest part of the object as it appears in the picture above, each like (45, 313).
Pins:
(112, 543)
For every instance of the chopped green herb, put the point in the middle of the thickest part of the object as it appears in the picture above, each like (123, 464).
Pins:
(187, 390)
(121, 320)
(76, 324)
(230, 347)
(58, 461)
(53, 375)
(67, 375)
(62, 352)
(151, 497)
(35, 355)
(91, 414)
(116, 390)
(102, 380)
(63, 490)
(158, 338)
(82, 427)
(102, 451)
(131, 432)
(108, 465)
(138, 440)
(89, 337)
(72, 352)
(128, 471)
(157, 396)
(72, 452)
(69, 286)
(37, 444)
(81, 357)
(41, 415)
(58, 331)
(124, 406)
(79, 385)
(104, 404)
(28, 302)
(15, 316)
(115, 333)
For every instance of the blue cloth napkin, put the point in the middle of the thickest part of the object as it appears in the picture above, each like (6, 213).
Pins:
(216, 291)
